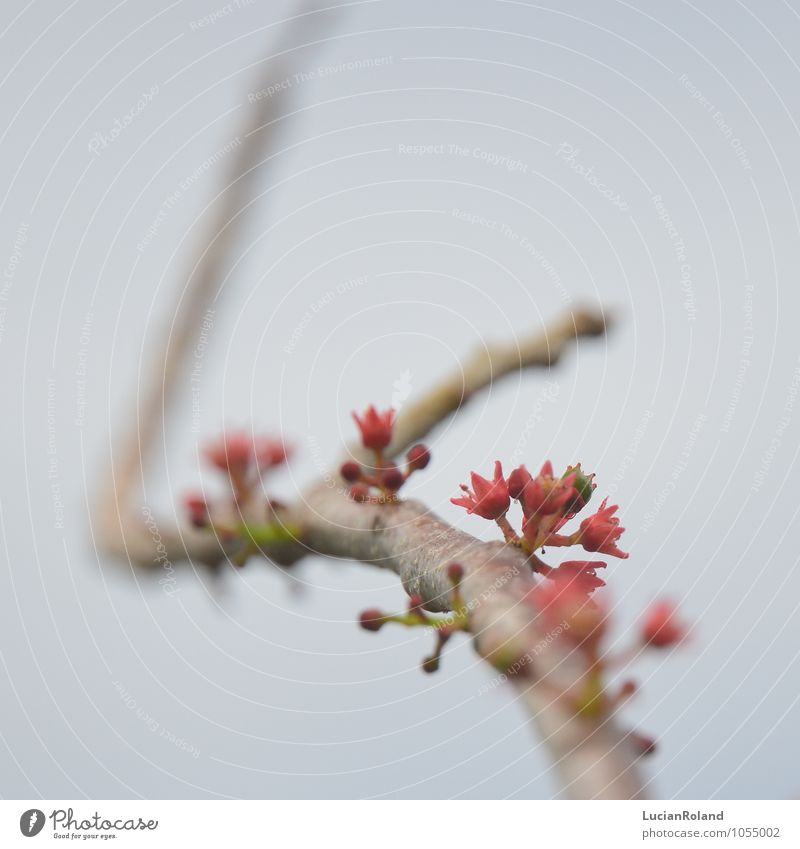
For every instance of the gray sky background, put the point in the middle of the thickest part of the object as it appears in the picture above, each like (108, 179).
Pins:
(642, 156)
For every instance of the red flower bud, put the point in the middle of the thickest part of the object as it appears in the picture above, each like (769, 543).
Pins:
(455, 572)
(392, 478)
(418, 457)
(372, 620)
(197, 507)
(661, 629)
(517, 481)
(376, 428)
(430, 664)
(350, 471)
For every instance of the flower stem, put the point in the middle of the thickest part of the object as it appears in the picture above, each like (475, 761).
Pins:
(509, 533)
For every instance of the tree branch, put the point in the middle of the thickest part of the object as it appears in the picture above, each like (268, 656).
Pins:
(486, 365)
(119, 526)
(594, 758)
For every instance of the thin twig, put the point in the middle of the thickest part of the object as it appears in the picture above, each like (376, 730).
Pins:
(488, 364)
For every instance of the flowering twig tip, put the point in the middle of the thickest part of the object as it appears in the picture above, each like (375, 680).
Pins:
(246, 514)
(444, 627)
(376, 428)
(380, 482)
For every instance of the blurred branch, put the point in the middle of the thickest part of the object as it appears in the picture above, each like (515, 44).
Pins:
(119, 526)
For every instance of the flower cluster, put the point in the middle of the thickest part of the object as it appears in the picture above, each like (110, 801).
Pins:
(563, 601)
(382, 480)
(443, 626)
(245, 459)
(582, 621)
(548, 503)
(244, 512)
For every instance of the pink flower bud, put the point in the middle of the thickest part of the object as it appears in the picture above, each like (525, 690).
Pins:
(517, 481)
(661, 628)
(455, 572)
(418, 457)
(392, 478)
(372, 619)
(351, 472)
(532, 497)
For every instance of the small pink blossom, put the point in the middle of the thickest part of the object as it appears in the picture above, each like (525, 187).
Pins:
(580, 572)
(545, 495)
(567, 610)
(238, 453)
(232, 452)
(601, 531)
(269, 452)
(376, 428)
(489, 498)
